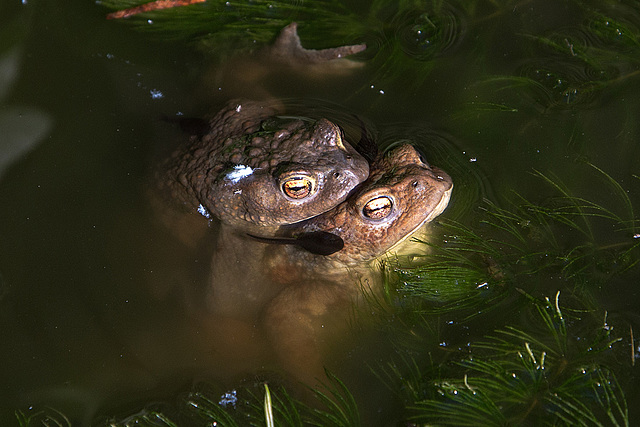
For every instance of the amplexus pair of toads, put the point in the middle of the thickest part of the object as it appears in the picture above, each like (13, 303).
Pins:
(257, 171)
(271, 179)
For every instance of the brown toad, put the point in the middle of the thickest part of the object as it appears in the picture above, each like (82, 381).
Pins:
(256, 171)
(401, 194)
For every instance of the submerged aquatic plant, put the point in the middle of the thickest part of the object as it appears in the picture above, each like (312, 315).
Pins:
(517, 247)
(518, 377)
(560, 368)
(568, 67)
(251, 405)
(223, 26)
(45, 417)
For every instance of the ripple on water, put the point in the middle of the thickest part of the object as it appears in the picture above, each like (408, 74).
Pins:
(571, 68)
(408, 43)
(565, 83)
(424, 34)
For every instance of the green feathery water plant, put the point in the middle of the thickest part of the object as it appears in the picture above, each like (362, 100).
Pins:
(250, 405)
(145, 418)
(553, 376)
(492, 267)
(268, 409)
(570, 66)
(44, 417)
(221, 27)
(517, 246)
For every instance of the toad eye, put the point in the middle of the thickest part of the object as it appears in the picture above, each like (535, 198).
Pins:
(378, 208)
(297, 187)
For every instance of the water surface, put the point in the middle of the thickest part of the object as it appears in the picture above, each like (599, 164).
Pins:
(91, 314)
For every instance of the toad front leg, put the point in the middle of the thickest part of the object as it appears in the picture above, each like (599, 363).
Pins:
(301, 321)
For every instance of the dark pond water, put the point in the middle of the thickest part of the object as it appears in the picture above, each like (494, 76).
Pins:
(90, 319)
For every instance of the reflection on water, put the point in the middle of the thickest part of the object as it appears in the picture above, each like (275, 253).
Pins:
(100, 303)
(22, 127)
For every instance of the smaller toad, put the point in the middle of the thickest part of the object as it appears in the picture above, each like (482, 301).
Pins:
(401, 194)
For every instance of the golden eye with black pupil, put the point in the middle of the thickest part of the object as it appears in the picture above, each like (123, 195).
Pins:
(297, 187)
(378, 208)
